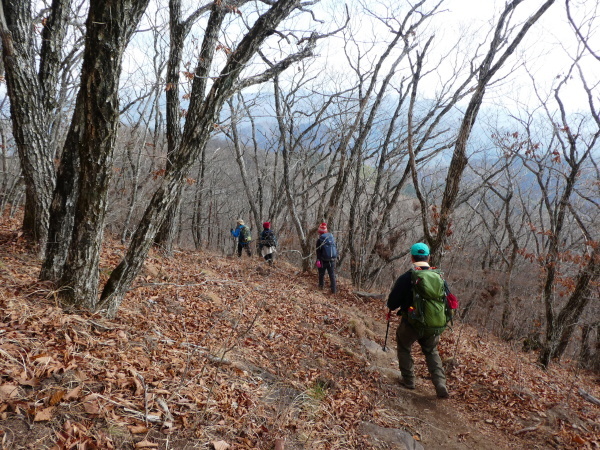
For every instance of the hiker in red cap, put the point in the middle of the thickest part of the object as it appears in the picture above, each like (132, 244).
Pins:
(326, 257)
(267, 243)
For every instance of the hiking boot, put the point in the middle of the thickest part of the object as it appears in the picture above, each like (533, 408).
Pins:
(408, 383)
(441, 391)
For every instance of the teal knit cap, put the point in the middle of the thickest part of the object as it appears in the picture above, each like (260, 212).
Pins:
(419, 249)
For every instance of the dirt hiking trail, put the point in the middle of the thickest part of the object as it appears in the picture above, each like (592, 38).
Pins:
(217, 352)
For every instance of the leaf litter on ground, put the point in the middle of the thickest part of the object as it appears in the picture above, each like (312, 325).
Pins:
(213, 349)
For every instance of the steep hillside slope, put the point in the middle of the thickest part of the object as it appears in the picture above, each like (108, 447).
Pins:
(218, 352)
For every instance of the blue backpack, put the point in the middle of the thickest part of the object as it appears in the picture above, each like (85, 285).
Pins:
(328, 248)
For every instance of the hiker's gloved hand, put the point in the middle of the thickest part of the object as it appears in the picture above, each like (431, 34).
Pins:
(388, 315)
(231, 230)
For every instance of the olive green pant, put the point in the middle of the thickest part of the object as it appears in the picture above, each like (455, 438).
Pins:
(406, 336)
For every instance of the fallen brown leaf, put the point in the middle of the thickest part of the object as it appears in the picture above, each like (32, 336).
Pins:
(43, 414)
(56, 397)
(146, 444)
(42, 359)
(90, 404)
(32, 382)
(137, 429)
(73, 393)
(8, 391)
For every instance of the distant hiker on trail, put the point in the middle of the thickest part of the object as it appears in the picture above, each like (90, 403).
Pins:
(426, 306)
(242, 232)
(267, 243)
(326, 256)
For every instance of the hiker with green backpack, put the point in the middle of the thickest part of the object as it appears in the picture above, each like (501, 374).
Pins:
(244, 236)
(426, 305)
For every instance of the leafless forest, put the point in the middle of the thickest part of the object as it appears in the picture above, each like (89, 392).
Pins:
(159, 123)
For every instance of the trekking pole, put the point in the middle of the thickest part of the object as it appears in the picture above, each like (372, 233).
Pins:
(387, 316)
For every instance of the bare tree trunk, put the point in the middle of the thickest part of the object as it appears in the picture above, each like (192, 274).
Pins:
(203, 113)
(135, 161)
(485, 73)
(178, 30)
(4, 192)
(88, 153)
(239, 158)
(32, 102)
(62, 212)
(589, 357)
(177, 33)
(288, 185)
(199, 199)
(560, 331)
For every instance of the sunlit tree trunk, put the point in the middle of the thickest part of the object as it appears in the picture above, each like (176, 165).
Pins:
(499, 52)
(33, 102)
(202, 115)
(80, 200)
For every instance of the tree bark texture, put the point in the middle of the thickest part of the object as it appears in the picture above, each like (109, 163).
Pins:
(179, 29)
(88, 152)
(32, 101)
(459, 160)
(563, 326)
(203, 113)
(177, 34)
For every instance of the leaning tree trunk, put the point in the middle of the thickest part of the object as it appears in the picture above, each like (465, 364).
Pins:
(486, 71)
(203, 114)
(89, 148)
(560, 332)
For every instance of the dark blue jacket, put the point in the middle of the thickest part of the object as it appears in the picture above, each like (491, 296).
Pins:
(264, 238)
(326, 239)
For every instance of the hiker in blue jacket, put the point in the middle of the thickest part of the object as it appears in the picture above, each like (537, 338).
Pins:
(326, 257)
(242, 233)
(401, 296)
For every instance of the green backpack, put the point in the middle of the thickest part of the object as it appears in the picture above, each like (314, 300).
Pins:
(245, 234)
(429, 313)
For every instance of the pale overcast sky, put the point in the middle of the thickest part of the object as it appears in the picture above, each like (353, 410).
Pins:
(546, 52)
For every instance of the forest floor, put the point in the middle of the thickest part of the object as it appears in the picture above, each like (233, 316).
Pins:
(211, 351)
